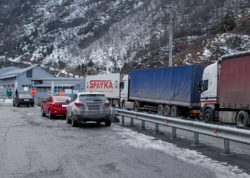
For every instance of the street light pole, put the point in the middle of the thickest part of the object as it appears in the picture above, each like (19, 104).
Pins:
(171, 34)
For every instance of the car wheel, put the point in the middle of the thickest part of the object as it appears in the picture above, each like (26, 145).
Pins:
(32, 105)
(42, 113)
(108, 123)
(50, 115)
(17, 105)
(28, 105)
(98, 122)
(68, 121)
(73, 121)
(13, 104)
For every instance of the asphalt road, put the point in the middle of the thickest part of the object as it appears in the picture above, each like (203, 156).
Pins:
(35, 146)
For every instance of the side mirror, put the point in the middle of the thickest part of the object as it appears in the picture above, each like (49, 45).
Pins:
(199, 87)
(67, 101)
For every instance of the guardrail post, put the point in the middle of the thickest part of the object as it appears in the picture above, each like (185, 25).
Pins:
(142, 124)
(132, 121)
(173, 135)
(226, 147)
(157, 128)
(122, 120)
(196, 139)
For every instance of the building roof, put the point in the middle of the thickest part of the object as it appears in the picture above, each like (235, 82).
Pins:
(56, 79)
(57, 85)
(8, 69)
(14, 73)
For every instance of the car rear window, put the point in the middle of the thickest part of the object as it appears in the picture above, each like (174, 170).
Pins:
(24, 96)
(61, 99)
(92, 97)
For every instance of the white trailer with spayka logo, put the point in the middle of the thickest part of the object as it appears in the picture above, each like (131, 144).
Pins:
(108, 84)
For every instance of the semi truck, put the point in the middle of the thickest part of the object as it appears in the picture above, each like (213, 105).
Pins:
(171, 91)
(225, 90)
(108, 84)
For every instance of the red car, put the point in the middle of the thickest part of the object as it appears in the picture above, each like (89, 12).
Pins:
(55, 105)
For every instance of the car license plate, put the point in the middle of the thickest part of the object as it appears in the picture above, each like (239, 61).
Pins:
(64, 106)
(26, 100)
(196, 111)
(94, 107)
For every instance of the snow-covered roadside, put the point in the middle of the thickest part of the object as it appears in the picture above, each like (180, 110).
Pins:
(141, 141)
(6, 100)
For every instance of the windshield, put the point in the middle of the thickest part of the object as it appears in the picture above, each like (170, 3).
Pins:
(24, 96)
(61, 99)
(92, 97)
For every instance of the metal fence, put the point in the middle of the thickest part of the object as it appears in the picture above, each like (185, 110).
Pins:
(224, 132)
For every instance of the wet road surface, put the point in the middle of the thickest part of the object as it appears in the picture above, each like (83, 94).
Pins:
(35, 146)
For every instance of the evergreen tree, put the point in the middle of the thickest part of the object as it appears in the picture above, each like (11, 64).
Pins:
(229, 22)
(90, 63)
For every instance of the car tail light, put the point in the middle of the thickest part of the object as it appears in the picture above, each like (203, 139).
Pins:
(31, 100)
(55, 105)
(20, 100)
(79, 104)
(107, 104)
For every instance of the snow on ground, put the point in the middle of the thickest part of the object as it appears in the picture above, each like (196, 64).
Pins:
(141, 141)
(6, 100)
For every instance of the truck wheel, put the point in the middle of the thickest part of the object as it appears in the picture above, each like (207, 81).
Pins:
(242, 119)
(167, 110)
(208, 115)
(175, 111)
(160, 109)
(123, 105)
(136, 106)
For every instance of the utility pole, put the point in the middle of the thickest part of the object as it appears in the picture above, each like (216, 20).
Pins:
(171, 34)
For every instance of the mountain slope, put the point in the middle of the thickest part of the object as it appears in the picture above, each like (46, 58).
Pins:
(103, 35)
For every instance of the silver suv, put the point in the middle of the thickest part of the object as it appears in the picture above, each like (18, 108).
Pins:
(88, 106)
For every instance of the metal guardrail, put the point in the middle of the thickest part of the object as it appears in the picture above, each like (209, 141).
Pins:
(223, 132)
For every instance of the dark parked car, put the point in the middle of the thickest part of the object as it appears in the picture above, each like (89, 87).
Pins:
(55, 105)
(23, 99)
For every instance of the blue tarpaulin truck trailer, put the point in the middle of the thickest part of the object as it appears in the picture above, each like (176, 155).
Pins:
(170, 90)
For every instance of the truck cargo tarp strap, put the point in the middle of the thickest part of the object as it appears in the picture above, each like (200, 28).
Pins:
(171, 83)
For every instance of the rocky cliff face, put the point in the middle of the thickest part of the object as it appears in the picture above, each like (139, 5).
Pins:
(101, 36)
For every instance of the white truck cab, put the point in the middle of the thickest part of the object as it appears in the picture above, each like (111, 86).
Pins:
(124, 90)
(209, 89)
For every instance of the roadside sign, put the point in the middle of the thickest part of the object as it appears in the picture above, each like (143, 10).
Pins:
(62, 93)
(33, 91)
(25, 89)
